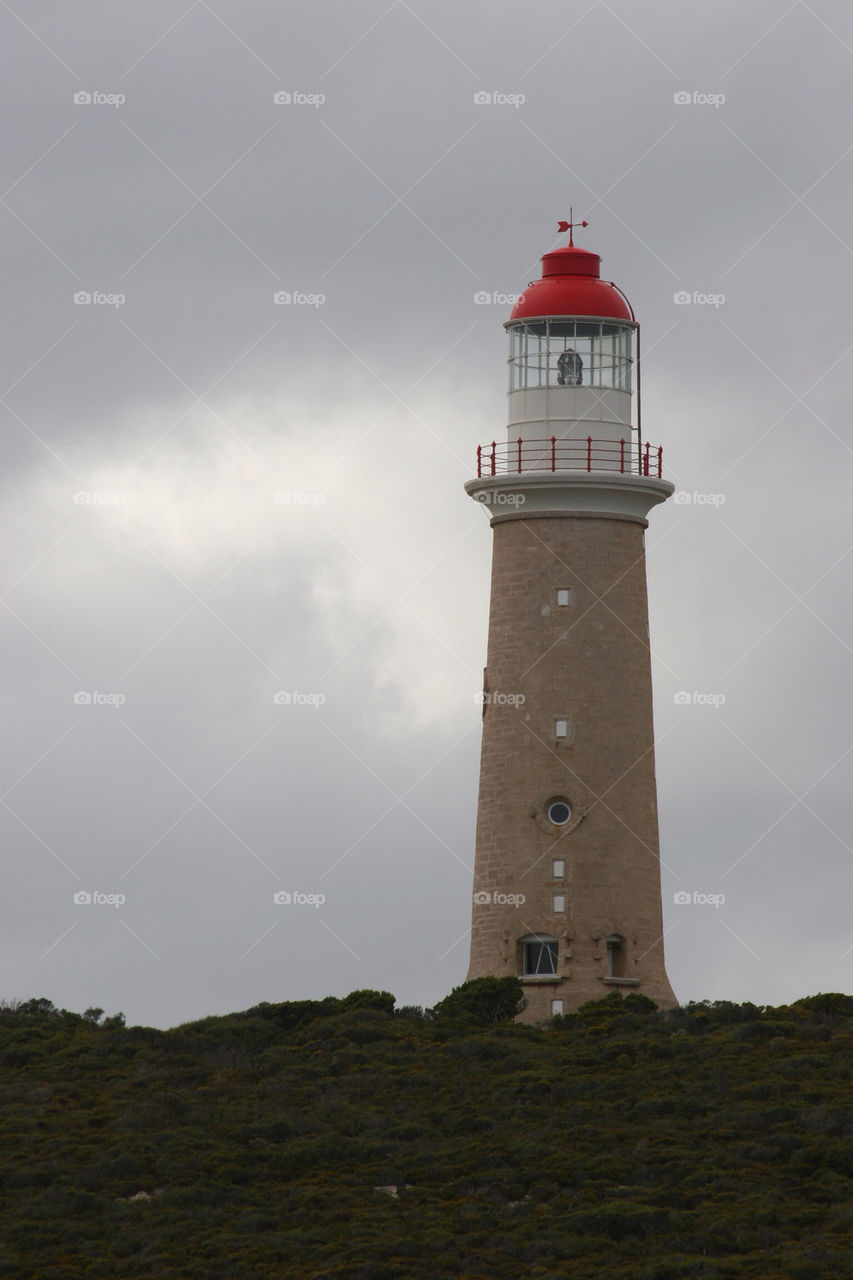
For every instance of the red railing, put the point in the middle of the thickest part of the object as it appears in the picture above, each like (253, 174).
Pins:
(569, 455)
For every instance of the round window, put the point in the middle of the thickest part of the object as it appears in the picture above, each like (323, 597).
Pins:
(558, 812)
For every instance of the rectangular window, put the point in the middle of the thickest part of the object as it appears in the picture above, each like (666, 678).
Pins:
(540, 957)
(561, 728)
(559, 868)
(556, 1008)
(564, 596)
(559, 903)
(615, 956)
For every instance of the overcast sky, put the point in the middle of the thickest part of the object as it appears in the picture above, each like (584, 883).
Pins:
(211, 497)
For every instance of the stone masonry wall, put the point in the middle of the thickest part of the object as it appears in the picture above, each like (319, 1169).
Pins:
(589, 663)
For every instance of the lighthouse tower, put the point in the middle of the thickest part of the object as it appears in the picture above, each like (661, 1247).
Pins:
(567, 889)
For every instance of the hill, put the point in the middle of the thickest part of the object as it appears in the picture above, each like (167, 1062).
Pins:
(347, 1139)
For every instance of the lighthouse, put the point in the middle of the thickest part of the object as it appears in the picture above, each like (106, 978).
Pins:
(567, 893)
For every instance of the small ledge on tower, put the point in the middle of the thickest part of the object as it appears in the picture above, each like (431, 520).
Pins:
(594, 494)
(621, 982)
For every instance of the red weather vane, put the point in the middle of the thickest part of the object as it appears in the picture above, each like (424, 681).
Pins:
(570, 225)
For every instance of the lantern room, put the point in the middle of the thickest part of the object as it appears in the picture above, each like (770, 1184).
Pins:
(572, 350)
(570, 353)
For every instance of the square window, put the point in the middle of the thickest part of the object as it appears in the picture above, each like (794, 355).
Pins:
(559, 903)
(556, 1008)
(540, 957)
(564, 596)
(559, 868)
(561, 728)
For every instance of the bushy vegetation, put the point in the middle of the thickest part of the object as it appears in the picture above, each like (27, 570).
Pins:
(345, 1138)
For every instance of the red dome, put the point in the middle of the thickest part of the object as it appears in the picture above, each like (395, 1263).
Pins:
(570, 286)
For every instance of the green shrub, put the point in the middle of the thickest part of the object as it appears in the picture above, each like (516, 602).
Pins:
(485, 1000)
(831, 1002)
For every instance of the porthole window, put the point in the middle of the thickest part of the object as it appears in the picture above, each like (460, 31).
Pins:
(558, 811)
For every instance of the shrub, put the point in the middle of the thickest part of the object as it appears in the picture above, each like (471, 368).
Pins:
(832, 1002)
(485, 1000)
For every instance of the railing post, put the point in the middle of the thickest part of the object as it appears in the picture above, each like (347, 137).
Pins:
(494, 447)
(622, 455)
(589, 453)
(660, 462)
(553, 453)
(646, 461)
(519, 455)
(479, 461)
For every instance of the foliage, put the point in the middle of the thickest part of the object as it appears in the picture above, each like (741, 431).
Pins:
(345, 1139)
(832, 1002)
(484, 1000)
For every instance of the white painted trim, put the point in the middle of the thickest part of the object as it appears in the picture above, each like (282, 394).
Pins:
(512, 496)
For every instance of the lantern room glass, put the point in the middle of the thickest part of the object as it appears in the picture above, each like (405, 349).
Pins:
(559, 353)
